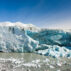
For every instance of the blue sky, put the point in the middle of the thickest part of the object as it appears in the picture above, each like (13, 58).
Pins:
(43, 13)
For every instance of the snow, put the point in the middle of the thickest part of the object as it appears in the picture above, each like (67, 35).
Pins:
(19, 37)
(52, 67)
(36, 61)
(58, 70)
(30, 65)
(59, 64)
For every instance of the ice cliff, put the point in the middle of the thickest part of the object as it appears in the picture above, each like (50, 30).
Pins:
(18, 37)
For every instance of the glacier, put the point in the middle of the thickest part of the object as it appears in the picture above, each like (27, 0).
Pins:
(19, 37)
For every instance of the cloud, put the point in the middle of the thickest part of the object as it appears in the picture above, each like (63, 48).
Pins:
(63, 24)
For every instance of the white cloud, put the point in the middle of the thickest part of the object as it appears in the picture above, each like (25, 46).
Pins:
(64, 24)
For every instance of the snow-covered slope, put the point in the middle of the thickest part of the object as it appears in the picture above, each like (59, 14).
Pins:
(19, 37)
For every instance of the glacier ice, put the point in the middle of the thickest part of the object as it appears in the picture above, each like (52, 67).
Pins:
(13, 39)
(18, 37)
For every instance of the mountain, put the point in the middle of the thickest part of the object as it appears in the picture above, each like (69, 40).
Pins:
(19, 37)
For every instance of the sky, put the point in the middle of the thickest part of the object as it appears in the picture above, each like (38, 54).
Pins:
(42, 13)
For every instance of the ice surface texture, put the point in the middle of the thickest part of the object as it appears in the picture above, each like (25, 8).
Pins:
(18, 37)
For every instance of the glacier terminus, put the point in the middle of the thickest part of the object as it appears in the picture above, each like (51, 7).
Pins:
(18, 37)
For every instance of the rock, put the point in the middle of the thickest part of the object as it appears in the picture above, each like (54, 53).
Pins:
(3, 70)
(11, 66)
